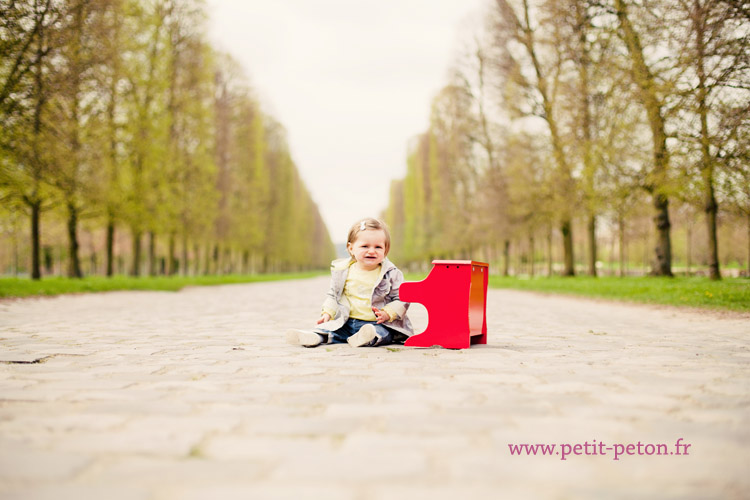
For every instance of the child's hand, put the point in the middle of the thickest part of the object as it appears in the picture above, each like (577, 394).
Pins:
(324, 317)
(381, 314)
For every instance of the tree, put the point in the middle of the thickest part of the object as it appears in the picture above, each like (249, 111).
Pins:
(711, 40)
(189, 167)
(120, 111)
(538, 79)
(73, 110)
(111, 193)
(579, 40)
(476, 73)
(29, 41)
(145, 130)
(652, 101)
(734, 144)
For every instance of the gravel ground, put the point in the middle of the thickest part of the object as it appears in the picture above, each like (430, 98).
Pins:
(194, 394)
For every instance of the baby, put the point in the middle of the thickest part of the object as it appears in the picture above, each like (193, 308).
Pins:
(362, 306)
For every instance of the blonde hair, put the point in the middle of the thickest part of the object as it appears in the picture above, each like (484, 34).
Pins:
(364, 225)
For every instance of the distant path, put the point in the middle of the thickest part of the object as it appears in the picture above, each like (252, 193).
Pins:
(194, 395)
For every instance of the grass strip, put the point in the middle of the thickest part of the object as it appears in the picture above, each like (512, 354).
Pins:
(728, 294)
(24, 287)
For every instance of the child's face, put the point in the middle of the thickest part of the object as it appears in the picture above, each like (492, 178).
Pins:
(368, 249)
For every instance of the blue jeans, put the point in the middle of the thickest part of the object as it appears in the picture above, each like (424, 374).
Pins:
(352, 326)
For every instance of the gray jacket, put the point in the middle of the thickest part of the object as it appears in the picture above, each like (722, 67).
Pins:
(384, 292)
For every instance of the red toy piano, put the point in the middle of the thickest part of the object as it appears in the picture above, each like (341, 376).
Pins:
(455, 296)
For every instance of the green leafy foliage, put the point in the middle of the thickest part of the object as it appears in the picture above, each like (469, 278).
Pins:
(578, 132)
(20, 287)
(732, 294)
(120, 116)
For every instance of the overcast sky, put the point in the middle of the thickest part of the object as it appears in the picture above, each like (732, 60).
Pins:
(352, 82)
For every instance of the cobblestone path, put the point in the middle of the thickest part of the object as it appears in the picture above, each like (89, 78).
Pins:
(194, 395)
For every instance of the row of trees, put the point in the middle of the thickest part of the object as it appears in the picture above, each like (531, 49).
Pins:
(565, 113)
(120, 111)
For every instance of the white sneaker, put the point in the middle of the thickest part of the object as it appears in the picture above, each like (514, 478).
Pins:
(303, 337)
(363, 337)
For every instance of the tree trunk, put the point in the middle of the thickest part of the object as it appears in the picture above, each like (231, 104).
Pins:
(531, 255)
(35, 203)
(707, 164)
(207, 259)
(689, 250)
(246, 262)
(612, 256)
(748, 244)
(16, 253)
(112, 178)
(568, 248)
(506, 258)
(184, 269)
(136, 269)
(713, 245)
(550, 269)
(110, 245)
(662, 265)
(74, 263)
(171, 259)
(592, 244)
(152, 253)
(226, 261)
(71, 187)
(645, 263)
(196, 259)
(36, 209)
(583, 61)
(621, 237)
(211, 258)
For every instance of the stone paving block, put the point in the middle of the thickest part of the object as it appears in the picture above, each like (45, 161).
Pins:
(304, 425)
(11, 356)
(135, 406)
(376, 411)
(245, 410)
(353, 466)
(267, 449)
(136, 397)
(469, 420)
(21, 464)
(153, 442)
(434, 399)
(440, 443)
(317, 402)
(265, 491)
(40, 428)
(157, 473)
(67, 491)
(442, 490)
(28, 394)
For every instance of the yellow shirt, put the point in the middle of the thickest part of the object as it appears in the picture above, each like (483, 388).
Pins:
(358, 290)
